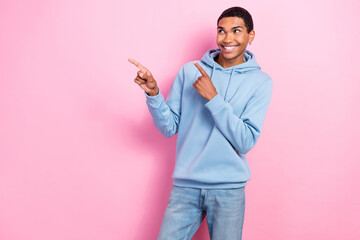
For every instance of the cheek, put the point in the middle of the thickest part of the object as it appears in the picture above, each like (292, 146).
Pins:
(243, 39)
(219, 38)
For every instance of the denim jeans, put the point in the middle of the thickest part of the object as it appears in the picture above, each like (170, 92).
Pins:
(187, 207)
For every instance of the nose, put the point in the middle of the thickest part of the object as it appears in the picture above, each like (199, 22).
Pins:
(228, 38)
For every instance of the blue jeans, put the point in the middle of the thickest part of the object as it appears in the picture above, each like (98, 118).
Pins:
(187, 207)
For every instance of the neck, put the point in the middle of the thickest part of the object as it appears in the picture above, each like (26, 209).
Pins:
(226, 63)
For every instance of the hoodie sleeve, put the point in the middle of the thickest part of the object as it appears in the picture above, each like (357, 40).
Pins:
(244, 131)
(166, 115)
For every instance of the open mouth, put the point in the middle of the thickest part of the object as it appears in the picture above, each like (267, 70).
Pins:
(229, 49)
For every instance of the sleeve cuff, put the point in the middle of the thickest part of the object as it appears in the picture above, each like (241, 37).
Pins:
(154, 101)
(215, 104)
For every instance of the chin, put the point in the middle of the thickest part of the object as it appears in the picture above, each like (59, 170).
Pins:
(231, 56)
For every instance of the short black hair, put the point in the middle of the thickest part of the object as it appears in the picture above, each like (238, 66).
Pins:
(241, 13)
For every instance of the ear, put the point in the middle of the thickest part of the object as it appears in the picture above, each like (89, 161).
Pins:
(251, 35)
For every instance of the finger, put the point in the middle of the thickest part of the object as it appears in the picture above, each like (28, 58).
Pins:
(141, 73)
(202, 71)
(140, 80)
(136, 63)
(144, 74)
(137, 82)
(196, 85)
(149, 76)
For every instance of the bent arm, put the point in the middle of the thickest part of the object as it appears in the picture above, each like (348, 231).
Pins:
(242, 132)
(166, 114)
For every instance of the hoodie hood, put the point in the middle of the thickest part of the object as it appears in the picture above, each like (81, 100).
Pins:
(250, 63)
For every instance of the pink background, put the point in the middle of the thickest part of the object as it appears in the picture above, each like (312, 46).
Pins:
(81, 159)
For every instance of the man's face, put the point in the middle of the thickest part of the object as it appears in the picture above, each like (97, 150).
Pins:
(233, 38)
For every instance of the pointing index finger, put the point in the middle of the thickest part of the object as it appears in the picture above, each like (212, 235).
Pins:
(136, 63)
(202, 71)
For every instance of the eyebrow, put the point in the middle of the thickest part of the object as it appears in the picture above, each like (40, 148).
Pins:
(232, 27)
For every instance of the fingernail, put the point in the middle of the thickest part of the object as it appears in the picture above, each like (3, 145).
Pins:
(141, 75)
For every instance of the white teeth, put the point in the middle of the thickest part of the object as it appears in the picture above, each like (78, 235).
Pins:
(230, 48)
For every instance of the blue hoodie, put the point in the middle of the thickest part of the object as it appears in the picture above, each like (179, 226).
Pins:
(214, 136)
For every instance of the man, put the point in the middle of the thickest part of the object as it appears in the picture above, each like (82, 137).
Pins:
(217, 107)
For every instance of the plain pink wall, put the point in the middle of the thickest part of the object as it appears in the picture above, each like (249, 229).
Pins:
(80, 158)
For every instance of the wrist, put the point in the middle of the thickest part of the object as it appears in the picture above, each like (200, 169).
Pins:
(212, 96)
(154, 92)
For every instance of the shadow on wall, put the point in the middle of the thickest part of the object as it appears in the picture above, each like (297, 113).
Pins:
(149, 139)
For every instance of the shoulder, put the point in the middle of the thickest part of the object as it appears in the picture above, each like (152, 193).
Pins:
(260, 78)
(189, 69)
(257, 82)
(265, 83)
(189, 66)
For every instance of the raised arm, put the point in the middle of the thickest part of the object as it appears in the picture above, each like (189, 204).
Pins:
(241, 131)
(165, 115)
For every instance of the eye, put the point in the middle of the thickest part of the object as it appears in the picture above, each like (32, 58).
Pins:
(221, 31)
(237, 31)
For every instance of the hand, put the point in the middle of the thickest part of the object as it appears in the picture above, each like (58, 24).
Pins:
(204, 85)
(145, 79)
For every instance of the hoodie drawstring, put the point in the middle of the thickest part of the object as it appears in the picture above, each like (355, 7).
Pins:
(232, 71)
(227, 88)
(212, 71)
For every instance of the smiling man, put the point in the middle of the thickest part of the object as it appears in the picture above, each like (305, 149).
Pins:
(217, 107)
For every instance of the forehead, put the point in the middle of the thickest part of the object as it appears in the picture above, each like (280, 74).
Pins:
(229, 22)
